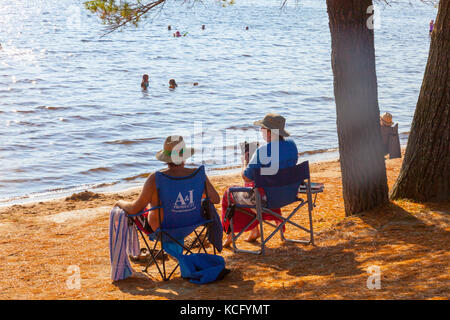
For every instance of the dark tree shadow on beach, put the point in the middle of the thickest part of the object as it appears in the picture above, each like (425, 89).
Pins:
(300, 261)
(389, 225)
(177, 288)
(394, 224)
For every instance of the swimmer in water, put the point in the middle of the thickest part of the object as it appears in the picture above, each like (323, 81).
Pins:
(169, 27)
(177, 34)
(246, 28)
(145, 84)
(203, 27)
(172, 84)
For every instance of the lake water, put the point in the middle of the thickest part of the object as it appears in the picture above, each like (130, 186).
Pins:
(73, 116)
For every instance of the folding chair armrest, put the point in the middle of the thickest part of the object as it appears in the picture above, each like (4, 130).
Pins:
(241, 189)
(315, 188)
(142, 212)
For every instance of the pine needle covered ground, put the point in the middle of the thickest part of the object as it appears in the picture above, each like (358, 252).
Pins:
(408, 242)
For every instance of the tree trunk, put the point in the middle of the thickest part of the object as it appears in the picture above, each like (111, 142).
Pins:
(425, 173)
(355, 89)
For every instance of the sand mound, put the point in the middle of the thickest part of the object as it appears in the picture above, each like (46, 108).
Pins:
(83, 196)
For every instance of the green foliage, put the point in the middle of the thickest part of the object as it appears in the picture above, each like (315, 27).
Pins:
(118, 13)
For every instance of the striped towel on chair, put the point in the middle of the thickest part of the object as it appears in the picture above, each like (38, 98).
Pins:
(123, 241)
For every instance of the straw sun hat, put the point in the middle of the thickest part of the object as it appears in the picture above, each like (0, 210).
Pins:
(175, 150)
(386, 119)
(273, 121)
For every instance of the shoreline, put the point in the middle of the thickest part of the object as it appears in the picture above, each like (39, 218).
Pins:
(134, 183)
(89, 194)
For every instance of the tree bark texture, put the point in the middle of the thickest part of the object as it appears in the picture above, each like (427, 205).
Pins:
(355, 88)
(425, 172)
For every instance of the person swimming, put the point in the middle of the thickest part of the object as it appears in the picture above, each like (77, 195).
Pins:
(203, 27)
(169, 27)
(172, 84)
(145, 84)
(177, 34)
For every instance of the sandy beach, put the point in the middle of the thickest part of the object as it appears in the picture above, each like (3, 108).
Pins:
(42, 242)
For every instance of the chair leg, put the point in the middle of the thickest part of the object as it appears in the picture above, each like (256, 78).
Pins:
(310, 223)
(159, 239)
(286, 221)
(259, 218)
(310, 230)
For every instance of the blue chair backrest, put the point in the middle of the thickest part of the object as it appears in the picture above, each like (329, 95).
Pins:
(181, 198)
(282, 188)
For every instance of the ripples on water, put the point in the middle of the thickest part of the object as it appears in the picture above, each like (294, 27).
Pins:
(73, 116)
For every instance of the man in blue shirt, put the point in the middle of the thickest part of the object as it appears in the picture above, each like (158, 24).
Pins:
(278, 153)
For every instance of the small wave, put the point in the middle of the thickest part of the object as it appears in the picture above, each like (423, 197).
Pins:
(51, 108)
(8, 181)
(94, 170)
(24, 123)
(127, 141)
(278, 93)
(310, 152)
(243, 128)
(15, 147)
(51, 193)
(80, 118)
(139, 176)
(319, 99)
(24, 111)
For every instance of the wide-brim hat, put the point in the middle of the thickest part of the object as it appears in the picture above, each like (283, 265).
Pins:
(175, 150)
(273, 121)
(386, 119)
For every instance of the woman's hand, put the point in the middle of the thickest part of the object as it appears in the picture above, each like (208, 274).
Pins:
(122, 205)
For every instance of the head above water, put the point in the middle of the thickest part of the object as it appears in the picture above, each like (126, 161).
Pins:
(172, 83)
(145, 77)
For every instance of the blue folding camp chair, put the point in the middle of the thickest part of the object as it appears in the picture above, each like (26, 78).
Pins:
(281, 190)
(181, 201)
